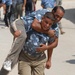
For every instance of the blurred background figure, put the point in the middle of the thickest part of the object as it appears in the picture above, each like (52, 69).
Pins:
(30, 6)
(34, 5)
(2, 10)
(59, 2)
(18, 8)
(7, 12)
(48, 4)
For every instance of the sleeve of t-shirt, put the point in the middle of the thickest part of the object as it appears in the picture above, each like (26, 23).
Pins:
(42, 2)
(38, 17)
(57, 31)
(40, 13)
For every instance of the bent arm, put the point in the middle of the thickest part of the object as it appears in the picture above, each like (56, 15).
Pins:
(50, 51)
(36, 26)
(53, 44)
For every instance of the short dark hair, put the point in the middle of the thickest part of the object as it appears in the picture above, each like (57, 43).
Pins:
(60, 7)
(49, 15)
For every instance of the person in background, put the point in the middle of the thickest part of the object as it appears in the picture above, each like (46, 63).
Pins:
(48, 4)
(18, 6)
(7, 8)
(28, 8)
(59, 2)
(2, 9)
(34, 5)
(17, 11)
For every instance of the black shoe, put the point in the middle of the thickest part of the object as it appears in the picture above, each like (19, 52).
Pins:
(3, 72)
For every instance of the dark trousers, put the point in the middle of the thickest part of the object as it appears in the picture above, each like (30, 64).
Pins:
(7, 15)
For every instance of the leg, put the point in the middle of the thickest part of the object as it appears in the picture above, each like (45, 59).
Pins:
(6, 20)
(60, 27)
(24, 67)
(38, 69)
(6, 17)
(16, 46)
(20, 11)
(18, 43)
(27, 66)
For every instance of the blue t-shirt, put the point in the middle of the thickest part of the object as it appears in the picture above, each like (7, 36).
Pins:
(34, 39)
(48, 3)
(7, 2)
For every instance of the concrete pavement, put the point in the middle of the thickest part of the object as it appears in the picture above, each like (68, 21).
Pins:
(63, 59)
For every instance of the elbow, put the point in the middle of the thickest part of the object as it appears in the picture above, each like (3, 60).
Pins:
(56, 45)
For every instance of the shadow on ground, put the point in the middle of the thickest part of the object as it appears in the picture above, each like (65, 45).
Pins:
(70, 15)
(72, 61)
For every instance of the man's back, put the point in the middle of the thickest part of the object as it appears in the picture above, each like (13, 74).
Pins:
(48, 3)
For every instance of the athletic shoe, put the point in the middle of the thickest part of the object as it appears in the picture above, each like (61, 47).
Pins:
(7, 65)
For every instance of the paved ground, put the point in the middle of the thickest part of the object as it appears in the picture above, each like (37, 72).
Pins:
(63, 60)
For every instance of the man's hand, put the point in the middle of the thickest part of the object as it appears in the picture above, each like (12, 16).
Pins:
(48, 64)
(17, 33)
(51, 33)
(42, 48)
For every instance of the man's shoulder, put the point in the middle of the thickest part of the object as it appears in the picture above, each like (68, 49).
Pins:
(39, 12)
(43, 10)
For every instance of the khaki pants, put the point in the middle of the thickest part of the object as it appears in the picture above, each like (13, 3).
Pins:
(27, 66)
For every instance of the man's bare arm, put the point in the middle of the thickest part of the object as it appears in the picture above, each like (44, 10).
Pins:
(50, 51)
(36, 26)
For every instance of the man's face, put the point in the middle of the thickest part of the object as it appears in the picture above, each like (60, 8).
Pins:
(58, 15)
(46, 23)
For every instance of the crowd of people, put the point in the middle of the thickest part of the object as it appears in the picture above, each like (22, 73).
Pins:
(14, 9)
(34, 32)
